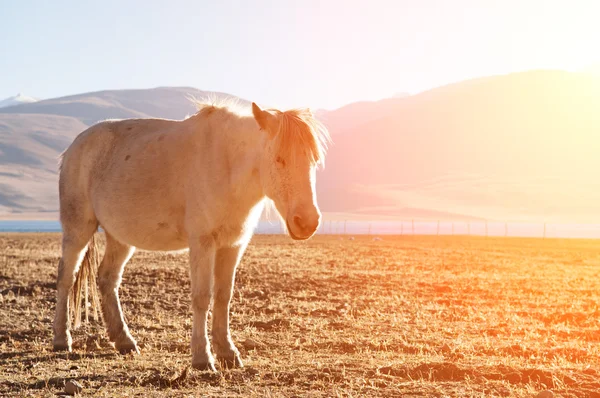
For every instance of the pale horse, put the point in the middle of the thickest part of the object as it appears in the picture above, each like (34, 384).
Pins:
(199, 183)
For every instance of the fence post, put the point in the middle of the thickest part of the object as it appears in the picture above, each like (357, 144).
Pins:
(453, 229)
(505, 229)
(486, 228)
(469, 228)
(413, 226)
(369, 229)
(345, 221)
(438, 228)
(401, 228)
(544, 230)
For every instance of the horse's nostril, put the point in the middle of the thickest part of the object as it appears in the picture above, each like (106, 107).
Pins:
(298, 222)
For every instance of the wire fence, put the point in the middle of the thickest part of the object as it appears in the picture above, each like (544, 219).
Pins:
(374, 228)
(475, 228)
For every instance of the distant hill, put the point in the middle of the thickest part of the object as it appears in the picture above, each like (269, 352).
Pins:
(33, 134)
(17, 100)
(29, 149)
(519, 146)
(90, 108)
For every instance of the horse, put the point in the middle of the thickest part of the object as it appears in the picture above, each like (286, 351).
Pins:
(163, 185)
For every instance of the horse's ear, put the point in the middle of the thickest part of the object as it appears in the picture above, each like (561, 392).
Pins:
(265, 120)
(260, 116)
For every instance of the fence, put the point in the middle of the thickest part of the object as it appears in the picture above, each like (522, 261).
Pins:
(410, 227)
(474, 228)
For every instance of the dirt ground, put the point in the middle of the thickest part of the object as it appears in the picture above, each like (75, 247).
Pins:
(400, 316)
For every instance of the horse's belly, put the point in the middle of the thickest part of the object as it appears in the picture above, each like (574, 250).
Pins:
(160, 240)
(148, 231)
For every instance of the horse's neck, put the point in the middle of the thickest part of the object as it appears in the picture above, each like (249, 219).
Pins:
(233, 159)
(246, 145)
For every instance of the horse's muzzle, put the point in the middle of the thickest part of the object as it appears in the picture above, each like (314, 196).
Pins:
(302, 228)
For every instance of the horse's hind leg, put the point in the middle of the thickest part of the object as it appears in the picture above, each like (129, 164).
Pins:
(76, 236)
(109, 279)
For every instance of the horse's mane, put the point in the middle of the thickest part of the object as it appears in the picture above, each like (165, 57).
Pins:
(300, 133)
(209, 104)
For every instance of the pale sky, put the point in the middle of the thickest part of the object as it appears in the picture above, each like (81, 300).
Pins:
(321, 54)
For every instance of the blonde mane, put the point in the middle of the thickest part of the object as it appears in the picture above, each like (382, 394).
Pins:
(208, 104)
(301, 133)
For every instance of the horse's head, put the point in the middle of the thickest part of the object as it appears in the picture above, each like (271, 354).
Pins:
(295, 145)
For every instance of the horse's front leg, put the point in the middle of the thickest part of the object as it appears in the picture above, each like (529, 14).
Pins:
(202, 261)
(226, 262)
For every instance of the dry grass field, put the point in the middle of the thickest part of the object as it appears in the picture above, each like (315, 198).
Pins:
(404, 316)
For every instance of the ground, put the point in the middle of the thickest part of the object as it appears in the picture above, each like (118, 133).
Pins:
(333, 316)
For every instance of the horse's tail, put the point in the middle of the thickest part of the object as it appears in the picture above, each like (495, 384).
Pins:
(86, 286)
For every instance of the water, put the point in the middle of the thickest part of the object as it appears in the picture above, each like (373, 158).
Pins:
(513, 229)
(29, 226)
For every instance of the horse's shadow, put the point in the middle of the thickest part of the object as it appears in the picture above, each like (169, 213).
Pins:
(59, 382)
(35, 368)
(30, 360)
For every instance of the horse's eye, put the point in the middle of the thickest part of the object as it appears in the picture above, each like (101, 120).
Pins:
(280, 161)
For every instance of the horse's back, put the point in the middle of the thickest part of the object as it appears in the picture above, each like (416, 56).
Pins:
(107, 149)
(129, 173)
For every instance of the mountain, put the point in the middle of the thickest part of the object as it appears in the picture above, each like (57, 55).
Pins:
(516, 147)
(17, 100)
(32, 136)
(29, 149)
(90, 108)
(522, 146)
(348, 117)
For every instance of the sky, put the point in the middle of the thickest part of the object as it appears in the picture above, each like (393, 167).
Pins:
(321, 54)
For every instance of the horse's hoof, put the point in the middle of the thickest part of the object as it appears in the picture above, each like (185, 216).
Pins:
(59, 347)
(205, 366)
(62, 344)
(231, 362)
(129, 349)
